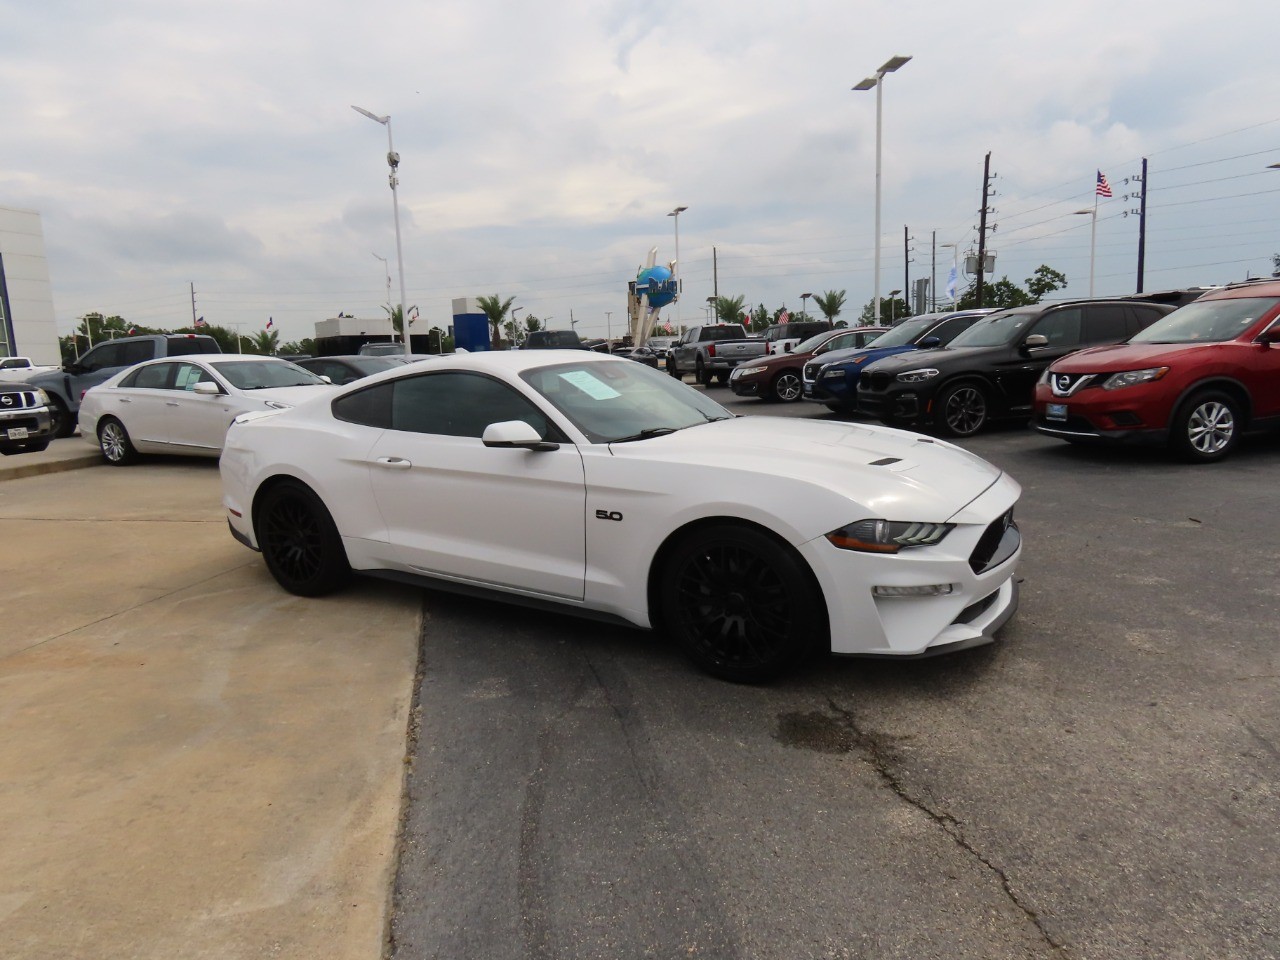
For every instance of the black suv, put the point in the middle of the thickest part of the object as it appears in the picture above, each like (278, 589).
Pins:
(990, 370)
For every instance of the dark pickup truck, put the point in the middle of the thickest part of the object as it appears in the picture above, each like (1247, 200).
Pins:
(65, 387)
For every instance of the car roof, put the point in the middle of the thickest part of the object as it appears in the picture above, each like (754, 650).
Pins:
(1248, 288)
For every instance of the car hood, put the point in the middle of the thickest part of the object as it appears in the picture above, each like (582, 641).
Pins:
(1126, 356)
(869, 355)
(292, 395)
(894, 474)
(938, 357)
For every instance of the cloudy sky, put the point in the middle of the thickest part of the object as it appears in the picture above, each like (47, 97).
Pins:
(169, 143)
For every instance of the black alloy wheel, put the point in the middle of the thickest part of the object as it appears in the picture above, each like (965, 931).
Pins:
(787, 387)
(741, 604)
(701, 373)
(961, 410)
(114, 442)
(299, 542)
(64, 423)
(1205, 427)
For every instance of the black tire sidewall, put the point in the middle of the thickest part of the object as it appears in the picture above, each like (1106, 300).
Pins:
(334, 566)
(64, 424)
(808, 631)
(943, 398)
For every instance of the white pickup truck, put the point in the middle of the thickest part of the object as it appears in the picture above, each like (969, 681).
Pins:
(19, 368)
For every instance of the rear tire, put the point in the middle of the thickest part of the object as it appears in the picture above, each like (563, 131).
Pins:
(299, 541)
(1205, 427)
(114, 442)
(741, 604)
(701, 373)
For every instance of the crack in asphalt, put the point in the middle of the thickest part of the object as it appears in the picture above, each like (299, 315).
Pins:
(879, 760)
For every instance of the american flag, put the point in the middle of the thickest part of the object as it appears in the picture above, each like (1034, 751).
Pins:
(784, 317)
(199, 322)
(1104, 188)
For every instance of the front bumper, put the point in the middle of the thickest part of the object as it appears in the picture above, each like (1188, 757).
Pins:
(981, 600)
(24, 424)
(902, 407)
(1137, 414)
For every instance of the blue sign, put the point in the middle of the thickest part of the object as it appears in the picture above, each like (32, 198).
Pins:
(658, 283)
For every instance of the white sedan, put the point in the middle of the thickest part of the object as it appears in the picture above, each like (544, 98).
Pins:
(184, 405)
(604, 487)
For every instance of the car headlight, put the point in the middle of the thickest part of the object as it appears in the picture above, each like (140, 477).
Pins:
(1130, 377)
(888, 536)
(916, 376)
(41, 397)
(745, 371)
(1044, 377)
(277, 405)
(832, 374)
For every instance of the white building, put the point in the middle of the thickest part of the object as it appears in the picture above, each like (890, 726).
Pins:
(27, 325)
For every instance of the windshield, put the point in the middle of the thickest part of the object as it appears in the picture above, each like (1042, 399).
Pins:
(376, 364)
(906, 332)
(1207, 321)
(996, 330)
(817, 340)
(260, 374)
(618, 400)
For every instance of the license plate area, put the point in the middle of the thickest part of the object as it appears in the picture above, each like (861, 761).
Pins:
(1055, 411)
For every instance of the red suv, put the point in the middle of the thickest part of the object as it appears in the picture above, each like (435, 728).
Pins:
(1195, 379)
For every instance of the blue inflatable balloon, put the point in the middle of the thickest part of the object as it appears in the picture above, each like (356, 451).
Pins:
(658, 283)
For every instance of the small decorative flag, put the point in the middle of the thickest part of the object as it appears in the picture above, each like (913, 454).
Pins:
(132, 331)
(270, 323)
(200, 322)
(952, 279)
(1104, 188)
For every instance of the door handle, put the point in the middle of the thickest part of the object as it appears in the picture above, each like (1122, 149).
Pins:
(171, 403)
(125, 399)
(395, 463)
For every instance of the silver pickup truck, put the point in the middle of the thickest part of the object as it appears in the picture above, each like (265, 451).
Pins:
(712, 351)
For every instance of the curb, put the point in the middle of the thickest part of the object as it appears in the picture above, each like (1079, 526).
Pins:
(20, 470)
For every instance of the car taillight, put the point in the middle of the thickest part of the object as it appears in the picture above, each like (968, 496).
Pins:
(711, 349)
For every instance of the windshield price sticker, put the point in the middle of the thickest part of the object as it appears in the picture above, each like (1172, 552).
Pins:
(588, 384)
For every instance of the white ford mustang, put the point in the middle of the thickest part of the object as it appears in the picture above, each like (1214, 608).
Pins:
(603, 486)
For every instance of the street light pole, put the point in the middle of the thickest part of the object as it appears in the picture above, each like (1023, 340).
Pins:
(393, 161)
(676, 213)
(390, 316)
(1093, 237)
(877, 81)
(804, 304)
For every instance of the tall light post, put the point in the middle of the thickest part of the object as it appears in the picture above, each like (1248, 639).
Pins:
(390, 318)
(893, 305)
(804, 304)
(676, 213)
(877, 81)
(514, 329)
(393, 161)
(1093, 238)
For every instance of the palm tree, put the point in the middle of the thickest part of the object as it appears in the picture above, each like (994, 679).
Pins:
(396, 314)
(496, 310)
(729, 309)
(264, 342)
(830, 303)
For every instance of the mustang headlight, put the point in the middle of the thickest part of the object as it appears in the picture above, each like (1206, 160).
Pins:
(277, 405)
(888, 536)
(1131, 377)
(916, 376)
(745, 371)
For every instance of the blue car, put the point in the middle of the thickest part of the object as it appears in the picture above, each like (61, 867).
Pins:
(833, 378)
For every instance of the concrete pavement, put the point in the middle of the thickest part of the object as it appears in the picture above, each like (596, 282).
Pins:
(193, 763)
(69, 453)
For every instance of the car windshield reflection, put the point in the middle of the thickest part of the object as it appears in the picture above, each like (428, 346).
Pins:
(264, 374)
(621, 400)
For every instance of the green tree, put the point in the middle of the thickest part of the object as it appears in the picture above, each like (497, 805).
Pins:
(396, 314)
(730, 309)
(1044, 281)
(496, 309)
(295, 347)
(830, 303)
(758, 319)
(518, 332)
(1004, 293)
(891, 309)
(264, 342)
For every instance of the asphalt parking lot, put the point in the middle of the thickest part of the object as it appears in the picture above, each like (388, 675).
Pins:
(1099, 783)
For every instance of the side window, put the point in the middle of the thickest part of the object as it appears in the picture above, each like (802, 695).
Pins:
(843, 342)
(1061, 327)
(154, 376)
(183, 346)
(371, 407)
(189, 375)
(458, 405)
(1105, 323)
(336, 372)
(136, 351)
(867, 337)
(102, 357)
(1141, 317)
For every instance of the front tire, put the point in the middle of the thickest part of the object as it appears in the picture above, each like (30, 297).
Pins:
(961, 410)
(114, 442)
(299, 541)
(64, 423)
(1206, 427)
(742, 605)
(787, 387)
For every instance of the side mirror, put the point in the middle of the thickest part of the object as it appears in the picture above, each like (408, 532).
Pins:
(325, 378)
(515, 434)
(1035, 340)
(787, 348)
(1270, 335)
(206, 388)
(929, 342)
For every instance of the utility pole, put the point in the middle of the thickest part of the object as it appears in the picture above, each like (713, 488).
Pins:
(982, 225)
(906, 262)
(193, 306)
(933, 272)
(715, 275)
(1142, 227)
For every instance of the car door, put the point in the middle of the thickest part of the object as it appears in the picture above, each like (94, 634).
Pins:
(1063, 328)
(140, 402)
(197, 421)
(510, 518)
(1260, 372)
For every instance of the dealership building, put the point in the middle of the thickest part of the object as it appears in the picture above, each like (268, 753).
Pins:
(27, 326)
